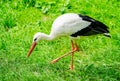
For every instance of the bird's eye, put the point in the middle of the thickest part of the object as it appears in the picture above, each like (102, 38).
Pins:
(35, 39)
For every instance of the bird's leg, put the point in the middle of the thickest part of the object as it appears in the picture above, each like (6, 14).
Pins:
(57, 59)
(71, 67)
(71, 52)
(76, 47)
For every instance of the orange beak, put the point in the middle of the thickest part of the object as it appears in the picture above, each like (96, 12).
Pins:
(31, 49)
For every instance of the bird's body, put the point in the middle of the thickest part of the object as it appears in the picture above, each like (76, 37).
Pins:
(72, 25)
(68, 24)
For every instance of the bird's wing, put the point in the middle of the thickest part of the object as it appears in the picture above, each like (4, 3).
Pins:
(96, 27)
(87, 18)
(95, 24)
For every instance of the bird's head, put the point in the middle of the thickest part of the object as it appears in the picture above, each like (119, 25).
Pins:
(37, 37)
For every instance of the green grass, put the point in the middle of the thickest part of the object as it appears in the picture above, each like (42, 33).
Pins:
(98, 60)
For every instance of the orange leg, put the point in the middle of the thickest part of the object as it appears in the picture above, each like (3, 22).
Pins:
(77, 48)
(71, 67)
(74, 48)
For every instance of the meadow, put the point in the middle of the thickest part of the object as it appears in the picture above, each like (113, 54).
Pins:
(97, 60)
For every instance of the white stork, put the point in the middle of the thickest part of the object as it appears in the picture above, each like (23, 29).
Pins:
(72, 25)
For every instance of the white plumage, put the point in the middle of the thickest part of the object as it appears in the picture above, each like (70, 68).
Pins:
(67, 24)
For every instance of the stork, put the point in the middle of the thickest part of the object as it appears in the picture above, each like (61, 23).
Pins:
(71, 25)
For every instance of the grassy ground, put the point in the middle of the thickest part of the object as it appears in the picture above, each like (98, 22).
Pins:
(98, 60)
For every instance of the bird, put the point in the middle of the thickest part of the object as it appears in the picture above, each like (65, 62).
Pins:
(71, 25)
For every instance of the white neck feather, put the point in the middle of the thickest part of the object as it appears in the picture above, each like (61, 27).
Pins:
(47, 37)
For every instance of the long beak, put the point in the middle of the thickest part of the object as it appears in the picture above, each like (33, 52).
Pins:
(31, 49)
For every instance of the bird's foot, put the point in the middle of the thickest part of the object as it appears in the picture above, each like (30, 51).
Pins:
(55, 60)
(71, 67)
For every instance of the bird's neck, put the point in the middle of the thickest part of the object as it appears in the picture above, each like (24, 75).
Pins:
(48, 37)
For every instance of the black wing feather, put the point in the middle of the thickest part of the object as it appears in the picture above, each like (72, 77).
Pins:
(96, 27)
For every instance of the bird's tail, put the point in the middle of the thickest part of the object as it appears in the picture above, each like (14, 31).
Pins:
(107, 34)
(101, 28)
